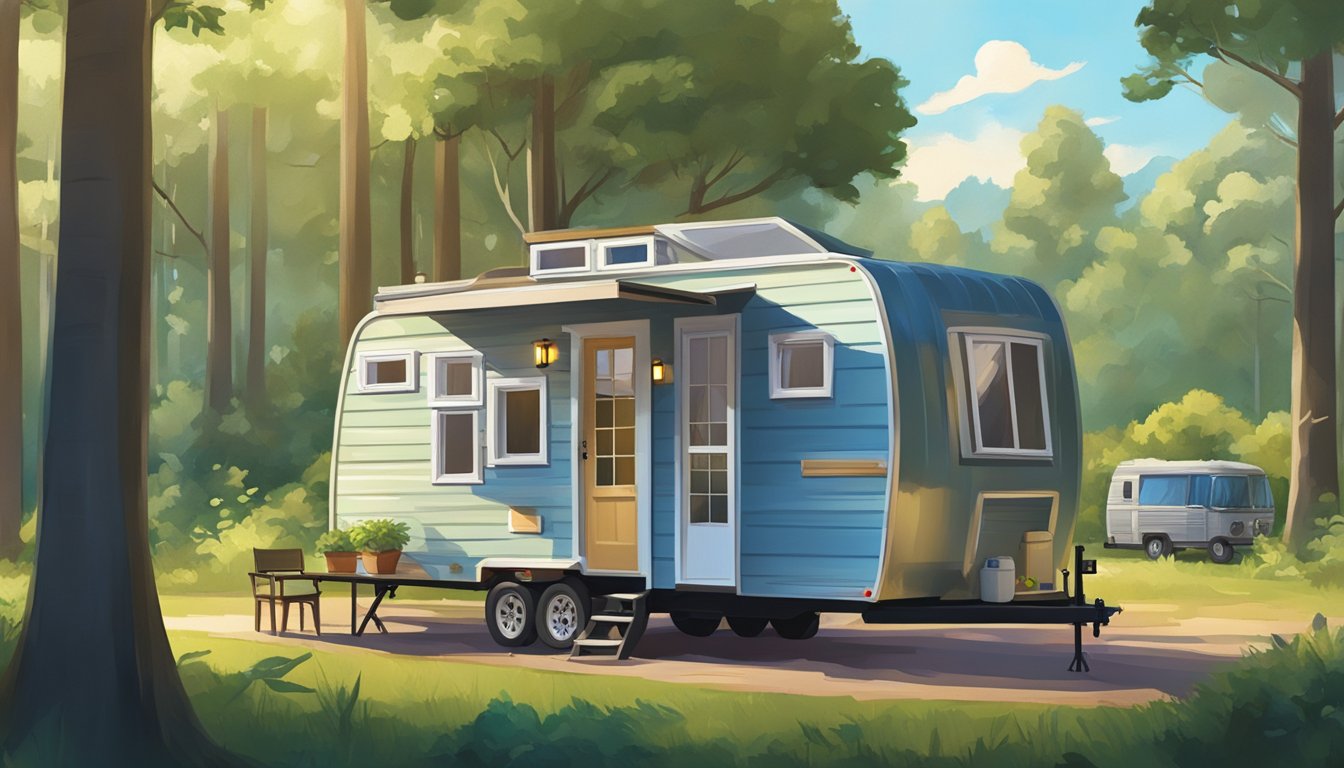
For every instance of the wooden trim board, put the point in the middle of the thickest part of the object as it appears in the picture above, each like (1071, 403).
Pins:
(844, 467)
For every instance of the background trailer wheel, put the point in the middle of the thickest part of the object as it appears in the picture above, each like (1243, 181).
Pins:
(562, 613)
(511, 614)
(1156, 547)
(1220, 551)
(694, 624)
(800, 627)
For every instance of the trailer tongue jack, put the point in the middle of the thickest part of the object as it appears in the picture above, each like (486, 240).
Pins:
(1044, 610)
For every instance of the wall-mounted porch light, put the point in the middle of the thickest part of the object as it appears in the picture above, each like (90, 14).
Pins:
(662, 372)
(544, 352)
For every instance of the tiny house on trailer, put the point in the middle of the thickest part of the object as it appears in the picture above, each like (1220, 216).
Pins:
(746, 419)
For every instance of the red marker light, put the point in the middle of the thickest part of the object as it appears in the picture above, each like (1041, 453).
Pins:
(867, 593)
(853, 269)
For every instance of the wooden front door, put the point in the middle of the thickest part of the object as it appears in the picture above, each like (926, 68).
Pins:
(610, 517)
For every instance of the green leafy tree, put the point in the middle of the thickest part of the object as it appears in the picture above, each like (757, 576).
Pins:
(1066, 193)
(1292, 44)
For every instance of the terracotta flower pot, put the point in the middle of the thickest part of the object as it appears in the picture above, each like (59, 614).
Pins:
(382, 562)
(341, 562)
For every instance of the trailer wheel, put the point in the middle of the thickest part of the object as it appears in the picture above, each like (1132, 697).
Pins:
(747, 626)
(695, 625)
(1156, 547)
(800, 627)
(1220, 551)
(511, 614)
(562, 613)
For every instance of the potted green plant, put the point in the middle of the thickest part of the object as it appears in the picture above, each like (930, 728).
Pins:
(339, 549)
(380, 541)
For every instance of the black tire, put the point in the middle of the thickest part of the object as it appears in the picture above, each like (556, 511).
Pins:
(696, 625)
(747, 626)
(1156, 547)
(511, 614)
(1220, 551)
(562, 613)
(800, 627)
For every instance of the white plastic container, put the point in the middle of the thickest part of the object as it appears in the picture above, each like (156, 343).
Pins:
(998, 580)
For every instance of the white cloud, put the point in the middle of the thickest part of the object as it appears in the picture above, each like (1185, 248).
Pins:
(1001, 66)
(940, 162)
(1126, 159)
(1097, 122)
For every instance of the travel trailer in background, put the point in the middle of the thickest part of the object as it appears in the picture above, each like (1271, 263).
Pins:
(744, 419)
(1162, 506)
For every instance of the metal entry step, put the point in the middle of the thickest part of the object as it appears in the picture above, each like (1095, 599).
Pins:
(613, 632)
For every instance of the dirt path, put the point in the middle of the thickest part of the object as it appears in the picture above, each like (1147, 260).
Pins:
(1144, 656)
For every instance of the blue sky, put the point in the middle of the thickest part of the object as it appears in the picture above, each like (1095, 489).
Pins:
(935, 43)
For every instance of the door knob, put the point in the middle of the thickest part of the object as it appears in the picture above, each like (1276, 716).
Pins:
(584, 453)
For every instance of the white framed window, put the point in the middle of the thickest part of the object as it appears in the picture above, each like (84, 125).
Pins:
(709, 420)
(1005, 395)
(388, 371)
(562, 258)
(625, 253)
(454, 378)
(455, 445)
(802, 364)
(516, 430)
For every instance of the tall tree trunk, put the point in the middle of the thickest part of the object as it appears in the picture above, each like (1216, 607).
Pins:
(408, 211)
(1314, 489)
(448, 209)
(542, 169)
(93, 670)
(258, 240)
(219, 307)
(356, 237)
(11, 313)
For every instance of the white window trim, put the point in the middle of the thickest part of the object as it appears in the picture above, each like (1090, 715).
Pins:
(494, 431)
(410, 357)
(534, 256)
(967, 398)
(604, 245)
(779, 340)
(475, 398)
(436, 449)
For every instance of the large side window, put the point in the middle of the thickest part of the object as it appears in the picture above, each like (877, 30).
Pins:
(455, 448)
(516, 431)
(1006, 397)
(1163, 490)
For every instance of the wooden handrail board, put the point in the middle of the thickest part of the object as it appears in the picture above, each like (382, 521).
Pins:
(844, 467)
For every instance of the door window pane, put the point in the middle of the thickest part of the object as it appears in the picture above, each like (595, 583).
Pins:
(614, 422)
(706, 410)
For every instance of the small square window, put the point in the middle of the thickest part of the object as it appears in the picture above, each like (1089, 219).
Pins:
(801, 364)
(516, 431)
(388, 372)
(454, 378)
(455, 446)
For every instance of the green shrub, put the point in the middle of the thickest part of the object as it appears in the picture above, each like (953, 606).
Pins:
(380, 535)
(335, 540)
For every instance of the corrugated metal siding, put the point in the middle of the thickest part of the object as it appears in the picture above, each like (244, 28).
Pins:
(937, 487)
